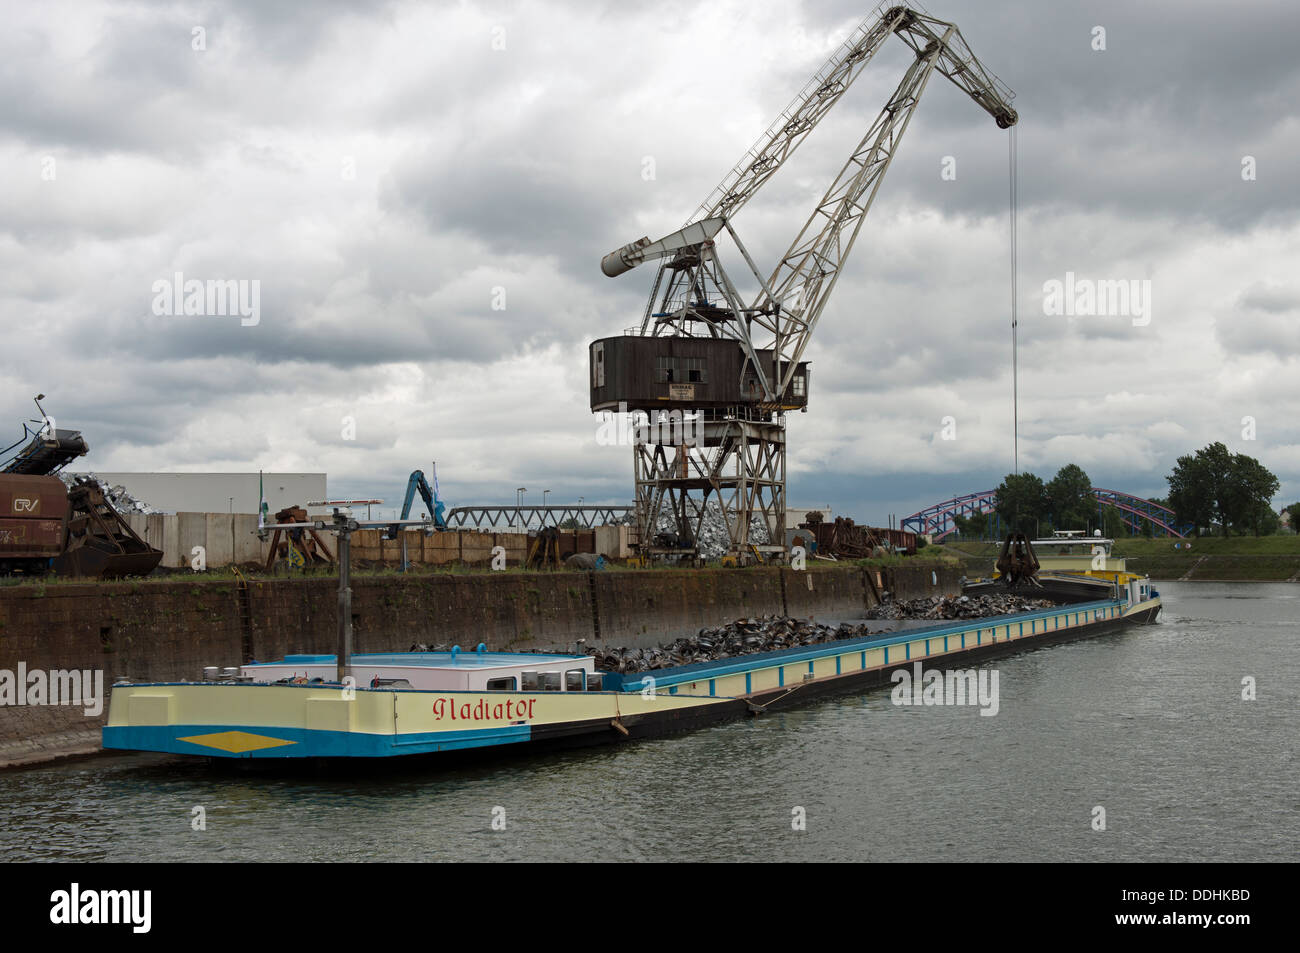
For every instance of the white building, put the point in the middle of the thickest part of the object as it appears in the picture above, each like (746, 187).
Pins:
(794, 515)
(219, 492)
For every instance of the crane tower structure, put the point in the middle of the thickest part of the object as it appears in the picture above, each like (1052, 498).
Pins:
(714, 374)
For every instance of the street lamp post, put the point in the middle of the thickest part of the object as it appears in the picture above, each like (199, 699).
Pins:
(343, 650)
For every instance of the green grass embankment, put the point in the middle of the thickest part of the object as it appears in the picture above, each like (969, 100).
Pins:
(1237, 558)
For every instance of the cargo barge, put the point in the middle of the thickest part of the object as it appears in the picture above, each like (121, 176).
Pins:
(431, 703)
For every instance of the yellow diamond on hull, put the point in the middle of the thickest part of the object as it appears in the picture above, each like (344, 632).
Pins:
(236, 742)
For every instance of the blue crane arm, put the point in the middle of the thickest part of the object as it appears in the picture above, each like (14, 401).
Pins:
(417, 482)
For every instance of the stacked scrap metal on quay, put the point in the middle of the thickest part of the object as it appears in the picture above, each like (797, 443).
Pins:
(714, 539)
(117, 495)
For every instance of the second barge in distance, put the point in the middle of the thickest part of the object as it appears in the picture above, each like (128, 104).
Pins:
(424, 703)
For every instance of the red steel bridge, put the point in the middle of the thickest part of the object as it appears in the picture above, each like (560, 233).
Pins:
(937, 520)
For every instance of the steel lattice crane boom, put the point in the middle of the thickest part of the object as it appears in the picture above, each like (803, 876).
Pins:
(693, 296)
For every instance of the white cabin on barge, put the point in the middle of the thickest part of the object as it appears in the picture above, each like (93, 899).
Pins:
(459, 671)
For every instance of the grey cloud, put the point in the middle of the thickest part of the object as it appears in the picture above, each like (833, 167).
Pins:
(523, 169)
(1275, 299)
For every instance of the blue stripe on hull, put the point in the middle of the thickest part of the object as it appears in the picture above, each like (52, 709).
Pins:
(309, 743)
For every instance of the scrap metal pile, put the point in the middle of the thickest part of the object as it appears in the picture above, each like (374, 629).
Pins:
(714, 540)
(957, 607)
(742, 637)
(117, 496)
(844, 538)
(299, 547)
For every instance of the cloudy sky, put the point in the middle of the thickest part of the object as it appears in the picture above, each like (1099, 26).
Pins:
(388, 171)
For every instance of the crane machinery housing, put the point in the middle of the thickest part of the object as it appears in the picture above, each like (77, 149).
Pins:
(715, 376)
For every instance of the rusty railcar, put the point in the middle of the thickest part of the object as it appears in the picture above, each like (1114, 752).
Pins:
(33, 521)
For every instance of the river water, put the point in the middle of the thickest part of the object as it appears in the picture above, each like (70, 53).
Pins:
(1148, 724)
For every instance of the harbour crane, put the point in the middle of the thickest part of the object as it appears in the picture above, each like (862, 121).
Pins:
(715, 376)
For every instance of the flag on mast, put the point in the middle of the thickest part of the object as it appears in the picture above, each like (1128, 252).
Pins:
(438, 506)
(261, 502)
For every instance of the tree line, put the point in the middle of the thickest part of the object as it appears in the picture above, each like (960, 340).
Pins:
(1213, 490)
(1217, 488)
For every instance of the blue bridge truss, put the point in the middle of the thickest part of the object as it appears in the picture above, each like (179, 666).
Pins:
(937, 520)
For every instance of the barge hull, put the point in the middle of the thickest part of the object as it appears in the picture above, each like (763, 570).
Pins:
(276, 722)
(780, 699)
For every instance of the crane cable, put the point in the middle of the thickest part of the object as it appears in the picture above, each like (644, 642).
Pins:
(1015, 369)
